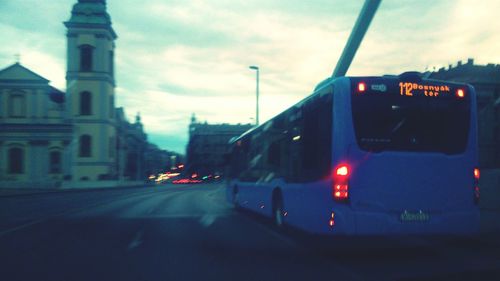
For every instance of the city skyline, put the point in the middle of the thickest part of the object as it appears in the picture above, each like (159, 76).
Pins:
(189, 57)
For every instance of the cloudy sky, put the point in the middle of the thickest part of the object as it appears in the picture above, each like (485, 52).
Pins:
(178, 57)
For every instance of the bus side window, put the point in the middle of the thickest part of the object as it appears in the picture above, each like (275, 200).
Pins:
(317, 141)
(274, 154)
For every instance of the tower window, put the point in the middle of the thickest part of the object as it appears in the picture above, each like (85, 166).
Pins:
(86, 58)
(111, 106)
(16, 160)
(55, 162)
(85, 103)
(111, 63)
(112, 147)
(85, 146)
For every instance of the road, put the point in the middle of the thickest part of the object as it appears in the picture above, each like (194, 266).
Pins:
(181, 232)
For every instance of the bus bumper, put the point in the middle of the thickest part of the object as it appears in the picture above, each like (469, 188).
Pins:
(453, 223)
(377, 223)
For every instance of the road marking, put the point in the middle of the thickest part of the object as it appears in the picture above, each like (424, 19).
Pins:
(63, 213)
(136, 242)
(207, 220)
(5, 232)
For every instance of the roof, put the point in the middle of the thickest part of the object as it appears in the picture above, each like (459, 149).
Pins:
(19, 73)
(90, 14)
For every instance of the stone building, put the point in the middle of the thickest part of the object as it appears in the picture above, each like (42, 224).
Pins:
(90, 88)
(486, 81)
(131, 145)
(158, 160)
(49, 138)
(35, 132)
(208, 144)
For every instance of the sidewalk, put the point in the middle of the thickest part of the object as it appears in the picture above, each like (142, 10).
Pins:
(82, 187)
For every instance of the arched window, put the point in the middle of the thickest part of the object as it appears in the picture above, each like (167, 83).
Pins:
(85, 146)
(86, 58)
(111, 106)
(16, 160)
(55, 162)
(111, 63)
(85, 103)
(112, 147)
(17, 106)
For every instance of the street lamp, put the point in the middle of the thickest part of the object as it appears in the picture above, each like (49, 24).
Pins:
(257, 94)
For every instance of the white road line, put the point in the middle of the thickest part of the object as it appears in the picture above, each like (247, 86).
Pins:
(136, 242)
(61, 214)
(5, 232)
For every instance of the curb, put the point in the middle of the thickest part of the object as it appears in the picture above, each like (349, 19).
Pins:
(33, 192)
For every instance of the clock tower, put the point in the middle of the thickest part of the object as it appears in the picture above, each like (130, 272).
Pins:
(90, 84)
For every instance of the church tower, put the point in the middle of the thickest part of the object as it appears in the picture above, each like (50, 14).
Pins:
(90, 87)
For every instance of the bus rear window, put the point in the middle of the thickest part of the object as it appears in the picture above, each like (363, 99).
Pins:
(391, 121)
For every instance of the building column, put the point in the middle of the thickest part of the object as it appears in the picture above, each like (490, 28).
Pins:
(37, 161)
(66, 159)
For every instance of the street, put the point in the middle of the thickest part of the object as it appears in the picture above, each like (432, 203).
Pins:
(189, 232)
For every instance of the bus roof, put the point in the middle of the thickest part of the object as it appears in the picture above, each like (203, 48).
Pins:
(321, 86)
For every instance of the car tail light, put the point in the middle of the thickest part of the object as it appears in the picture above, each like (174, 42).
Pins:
(341, 182)
(477, 174)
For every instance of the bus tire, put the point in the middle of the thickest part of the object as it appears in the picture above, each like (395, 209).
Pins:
(278, 217)
(234, 199)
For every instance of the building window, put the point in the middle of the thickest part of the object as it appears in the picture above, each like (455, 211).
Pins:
(85, 103)
(86, 58)
(111, 106)
(55, 162)
(112, 147)
(85, 146)
(111, 63)
(16, 160)
(17, 106)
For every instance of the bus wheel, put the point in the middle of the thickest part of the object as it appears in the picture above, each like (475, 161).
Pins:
(235, 197)
(278, 212)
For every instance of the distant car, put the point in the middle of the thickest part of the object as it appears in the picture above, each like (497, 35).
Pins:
(185, 181)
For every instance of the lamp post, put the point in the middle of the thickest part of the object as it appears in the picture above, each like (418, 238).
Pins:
(256, 68)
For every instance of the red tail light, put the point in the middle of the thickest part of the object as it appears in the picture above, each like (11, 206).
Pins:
(460, 93)
(361, 87)
(341, 182)
(477, 174)
(342, 171)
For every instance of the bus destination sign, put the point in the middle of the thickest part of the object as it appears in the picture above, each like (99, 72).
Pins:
(409, 89)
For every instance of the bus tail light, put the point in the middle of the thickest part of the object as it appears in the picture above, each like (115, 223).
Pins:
(460, 93)
(361, 87)
(341, 182)
(331, 222)
(477, 174)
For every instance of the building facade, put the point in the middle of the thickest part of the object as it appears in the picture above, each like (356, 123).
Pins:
(208, 144)
(486, 81)
(131, 145)
(35, 133)
(158, 161)
(90, 87)
(49, 138)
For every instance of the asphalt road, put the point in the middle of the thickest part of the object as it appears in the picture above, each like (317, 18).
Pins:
(190, 233)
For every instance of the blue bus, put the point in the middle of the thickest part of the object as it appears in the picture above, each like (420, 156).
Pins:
(365, 156)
